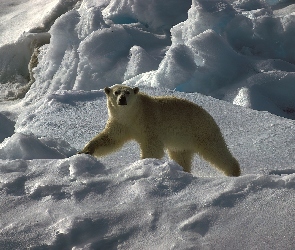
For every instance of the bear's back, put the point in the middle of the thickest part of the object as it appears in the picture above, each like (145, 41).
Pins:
(170, 112)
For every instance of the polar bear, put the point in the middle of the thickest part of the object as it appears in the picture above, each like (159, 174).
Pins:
(159, 123)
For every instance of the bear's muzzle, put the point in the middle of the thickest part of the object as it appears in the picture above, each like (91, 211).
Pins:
(122, 100)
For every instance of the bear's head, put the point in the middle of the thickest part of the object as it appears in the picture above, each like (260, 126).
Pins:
(120, 95)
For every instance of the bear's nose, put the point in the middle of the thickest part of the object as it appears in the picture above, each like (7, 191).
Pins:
(122, 100)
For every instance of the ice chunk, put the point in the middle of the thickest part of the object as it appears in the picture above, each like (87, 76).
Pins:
(157, 15)
(140, 61)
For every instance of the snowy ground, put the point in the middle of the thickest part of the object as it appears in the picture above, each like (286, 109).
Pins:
(234, 58)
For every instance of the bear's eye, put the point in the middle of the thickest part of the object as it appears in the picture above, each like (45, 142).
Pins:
(127, 92)
(117, 92)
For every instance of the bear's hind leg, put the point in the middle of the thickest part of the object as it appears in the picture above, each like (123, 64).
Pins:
(182, 157)
(221, 158)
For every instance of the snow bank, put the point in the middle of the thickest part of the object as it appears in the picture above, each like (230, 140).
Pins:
(14, 64)
(19, 16)
(21, 146)
(221, 47)
(213, 47)
(272, 91)
(157, 15)
(21, 38)
(85, 53)
(78, 203)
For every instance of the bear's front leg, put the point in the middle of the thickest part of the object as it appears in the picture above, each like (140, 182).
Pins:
(111, 139)
(99, 145)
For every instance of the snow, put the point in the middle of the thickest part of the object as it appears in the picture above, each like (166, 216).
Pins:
(234, 58)
(19, 16)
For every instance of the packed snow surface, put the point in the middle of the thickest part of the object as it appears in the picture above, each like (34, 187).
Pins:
(234, 58)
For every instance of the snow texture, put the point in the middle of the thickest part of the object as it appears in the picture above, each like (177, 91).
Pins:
(234, 58)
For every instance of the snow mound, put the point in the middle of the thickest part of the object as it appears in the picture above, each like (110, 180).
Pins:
(19, 16)
(272, 91)
(14, 66)
(82, 204)
(21, 146)
(75, 34)
(157, 15)
(212, 47)
(221, 47)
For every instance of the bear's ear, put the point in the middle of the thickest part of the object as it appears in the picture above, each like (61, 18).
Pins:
(107, 90)
(136, 90)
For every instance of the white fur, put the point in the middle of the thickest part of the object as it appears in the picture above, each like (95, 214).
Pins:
(159, 123)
